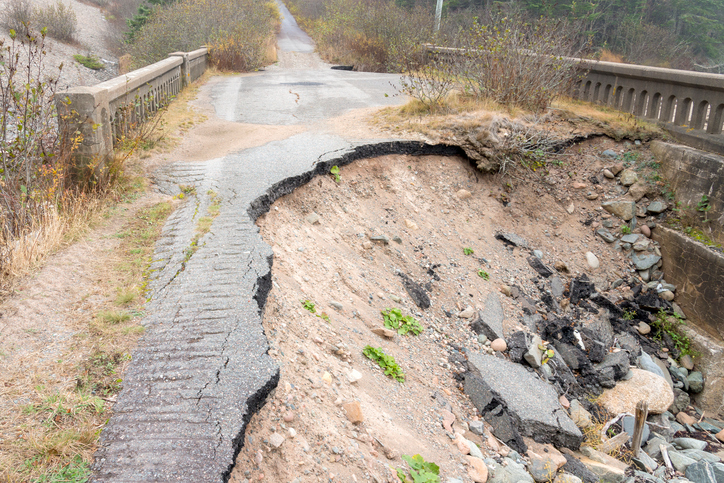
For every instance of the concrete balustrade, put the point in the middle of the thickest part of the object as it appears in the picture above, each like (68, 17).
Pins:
(105, 113)
(690, 105)
(688, 99)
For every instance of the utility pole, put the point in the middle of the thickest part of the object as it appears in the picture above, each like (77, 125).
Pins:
(438, 14)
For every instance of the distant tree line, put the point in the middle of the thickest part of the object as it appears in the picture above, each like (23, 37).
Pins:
(669, 33)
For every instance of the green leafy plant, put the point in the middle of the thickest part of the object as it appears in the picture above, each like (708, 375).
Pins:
(89, 61)
(421, 471)
(387, 363)
(468, 251)
(703, 206)
(483, 274)
(309, 305)
(629, 315)
(625, 229)
(403, 324)
(671, 325)
(335, 172)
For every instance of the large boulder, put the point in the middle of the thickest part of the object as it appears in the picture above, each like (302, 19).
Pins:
(518, 397)
(643, 385)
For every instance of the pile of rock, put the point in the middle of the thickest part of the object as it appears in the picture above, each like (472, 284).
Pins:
(580, 345)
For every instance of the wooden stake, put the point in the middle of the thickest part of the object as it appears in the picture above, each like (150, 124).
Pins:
(642, 411)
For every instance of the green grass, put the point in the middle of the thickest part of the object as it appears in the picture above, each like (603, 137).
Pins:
(89, 61)
(114, 316)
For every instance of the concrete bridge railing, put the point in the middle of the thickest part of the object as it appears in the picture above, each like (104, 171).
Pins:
(104, 113)
(692, 103)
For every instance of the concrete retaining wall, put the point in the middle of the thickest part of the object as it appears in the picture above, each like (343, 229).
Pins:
(104, 113)
(698, 273)
(692, 174)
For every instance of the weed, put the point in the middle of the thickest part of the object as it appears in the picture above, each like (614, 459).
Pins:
(483, 274)
(89, 61)
(703, 206)
(625, 229)
(324, 316)
(402, 324)
(114, 317)
(421, 471)
(671, 325)
(468, 251)
(126, 296)
(629, 315)
(630, 157)
(309, 305)
(334, 171)
(387, 363)
(77, 471)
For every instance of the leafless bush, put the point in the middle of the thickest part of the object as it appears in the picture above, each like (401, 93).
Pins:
(17, 16)
(516, 63)
(427, 79)
(59, 19)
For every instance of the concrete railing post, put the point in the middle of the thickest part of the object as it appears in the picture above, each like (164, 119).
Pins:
(185, 67)
(83, 114)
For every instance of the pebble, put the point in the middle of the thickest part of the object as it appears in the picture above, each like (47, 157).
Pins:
(411, 225)
(617, 168)
(643, 328)
(468, 313)
(381, 239)
(608, 174)
(448, 419)
(288, 417)
(685, 419)
(367, 245)
(571, 208)
(354, 412)
(687, 362)
(592, 260)
(336, 305)
(667, 295)
(628, 177)
(592, 196)
(499, 345)
(292, 432)
(354, 375)
(312, 219)
(276, 440)
(389, 334)
(564, 402)
(720, 435)
(578, 185)
(646, 231)
(506, 290)
(327, 377)
(464, 194)
(478, 471)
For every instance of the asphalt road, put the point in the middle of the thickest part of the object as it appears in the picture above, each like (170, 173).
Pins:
(202, 368)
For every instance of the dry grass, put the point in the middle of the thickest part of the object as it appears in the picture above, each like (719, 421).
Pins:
(619, 124)
(55, 406)
(608, 56)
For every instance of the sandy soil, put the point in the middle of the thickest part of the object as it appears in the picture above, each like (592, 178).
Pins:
(90, 40)
(334, 263)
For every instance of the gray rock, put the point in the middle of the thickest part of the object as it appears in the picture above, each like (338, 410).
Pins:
(610, 154)
(687, 362)
(644, 260)
(622, 209)
(380, 238)
(627, 422)
(512, 472)
(490, 319)
(336, 305)
(689, 443)
(680, 461)
(681, 401)
(645, 463)
(617, 361)
(312, 218)
(696, 382)
(540, 267)
(605, 235)
(630, 344)
(677, 376)
(653, 449)
(532, 404)
(575, 467)
(512, 239)
(557, 287)
(567, 478)
(705, 472)
(646, 363)
(656, 207)
(477, 427)
(542, 470)
(700, 455)
(628, 177)
(630, 238)
(538, 254)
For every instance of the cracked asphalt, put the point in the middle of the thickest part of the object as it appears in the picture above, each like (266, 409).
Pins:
(202, 368)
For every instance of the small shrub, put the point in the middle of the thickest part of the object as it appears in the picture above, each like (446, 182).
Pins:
(403, 324)
(387, 363)
(89, 61)
(59, 19)
(18, 16)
